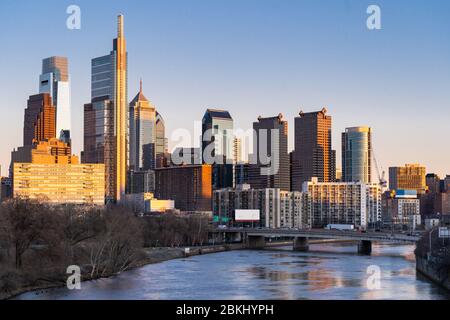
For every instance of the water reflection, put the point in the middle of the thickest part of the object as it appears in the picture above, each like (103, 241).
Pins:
(328, 271)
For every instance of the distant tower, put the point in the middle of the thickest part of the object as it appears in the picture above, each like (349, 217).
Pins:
(142, 133)
(313, 155)
(55, 81)
(272, 136)
(107, 143)
(217, 143)
(161, 149)
(357, 155)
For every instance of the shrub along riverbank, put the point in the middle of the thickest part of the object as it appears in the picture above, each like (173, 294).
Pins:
(38, 242)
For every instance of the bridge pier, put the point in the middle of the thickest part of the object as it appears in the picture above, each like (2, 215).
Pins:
(256, 242)
(365, 247)
(301, 244)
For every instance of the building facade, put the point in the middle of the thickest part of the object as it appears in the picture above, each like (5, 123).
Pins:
(313, 155)
(141, 182)
(354, 203)
(357, 155)
(39, 121)
(408, 177)
(402, 210)
(45, 152)
(278, 209)
(60, 183)
(270, 167)
(189, 186)
(55, 81)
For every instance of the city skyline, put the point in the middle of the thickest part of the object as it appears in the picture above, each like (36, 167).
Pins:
(182, 106)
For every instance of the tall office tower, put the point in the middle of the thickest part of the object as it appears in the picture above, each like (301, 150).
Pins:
(220, 139)
(217, 146)
(55, 81)
(39, 121)
(409, 177)
(106, 117)
(313, 156)
(270, 167)
(357, 155)
(142, 133)
(161, 149)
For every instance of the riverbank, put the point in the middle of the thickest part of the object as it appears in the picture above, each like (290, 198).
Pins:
(430, 270)
(149, 256)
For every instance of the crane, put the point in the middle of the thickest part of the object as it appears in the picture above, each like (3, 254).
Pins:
(381, 177)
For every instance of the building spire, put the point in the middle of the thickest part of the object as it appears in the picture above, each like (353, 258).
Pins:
(140, 86)
(120, 26)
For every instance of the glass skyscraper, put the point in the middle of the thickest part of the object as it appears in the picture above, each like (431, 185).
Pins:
(55, 81)
(357, 155)
(106, 117)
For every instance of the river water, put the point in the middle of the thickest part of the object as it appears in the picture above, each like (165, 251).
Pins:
(328, 271)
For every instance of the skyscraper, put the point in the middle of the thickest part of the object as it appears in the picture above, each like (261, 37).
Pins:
(219, 124)
(55, 81)
(39, 120)
(161, 149)
(217, 146)
(106, 117)
(142, 133)
(272, 141)
(357, 155)
(313, 155)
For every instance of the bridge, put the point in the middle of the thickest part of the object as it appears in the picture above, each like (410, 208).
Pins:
(256, 238)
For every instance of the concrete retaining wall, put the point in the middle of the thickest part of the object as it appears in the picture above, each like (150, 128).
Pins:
(429, 269)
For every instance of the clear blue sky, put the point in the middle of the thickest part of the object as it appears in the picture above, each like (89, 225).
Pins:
(251, 57)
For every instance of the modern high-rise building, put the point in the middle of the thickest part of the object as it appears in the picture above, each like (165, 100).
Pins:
(313, 155)
(189, 186)
(106, 117)
(357, 155)
(270, 167)
(161, 149)
(55, 81)
(218, 136)
(142, 133)
(217, 146)
(353, 203)
(409, 177)
(39, 120)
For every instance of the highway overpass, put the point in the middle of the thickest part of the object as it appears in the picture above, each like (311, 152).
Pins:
(256, 238)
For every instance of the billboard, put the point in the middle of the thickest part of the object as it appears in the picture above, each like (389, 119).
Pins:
(406, 194)
(242, 215)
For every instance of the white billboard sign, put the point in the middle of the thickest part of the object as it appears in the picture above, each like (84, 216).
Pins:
(444, 233)
(247, 215)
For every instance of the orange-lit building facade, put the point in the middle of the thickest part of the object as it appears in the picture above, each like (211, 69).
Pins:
(189, 186)
(40, 119)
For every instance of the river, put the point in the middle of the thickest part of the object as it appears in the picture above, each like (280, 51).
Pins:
(327, 271)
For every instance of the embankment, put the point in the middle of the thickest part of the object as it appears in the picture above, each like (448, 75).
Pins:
(431, 270)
